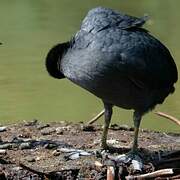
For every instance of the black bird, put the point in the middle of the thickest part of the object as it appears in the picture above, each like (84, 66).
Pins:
(117, 60)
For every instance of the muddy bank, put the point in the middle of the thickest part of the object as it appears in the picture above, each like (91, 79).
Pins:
(33, 150)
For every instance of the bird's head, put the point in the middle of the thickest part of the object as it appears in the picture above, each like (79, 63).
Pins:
(53, 60)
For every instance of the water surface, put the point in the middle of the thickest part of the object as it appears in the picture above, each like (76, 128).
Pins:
(30, 28)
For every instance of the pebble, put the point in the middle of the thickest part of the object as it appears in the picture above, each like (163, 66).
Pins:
(84, 153)
(121, 127)
(14, 145)
(3, 128)
(5, 146)
(113, 141)
(73, 153)
(38, 158)
(137, 166)
(66, 128)
(56, 153)
(17, 168)
(72, 156)
(48, 131)
(50, 146)
(31, 123)
(59, 130)
(25, 145)
(17, 140)
(67, 150)
(126, 127)
(2, 151)
(42, 126)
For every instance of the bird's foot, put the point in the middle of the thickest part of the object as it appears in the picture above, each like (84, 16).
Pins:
(104, 146)
(132, 158)
(133, 154)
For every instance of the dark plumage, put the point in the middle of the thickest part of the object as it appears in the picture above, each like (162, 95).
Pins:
(117, 60)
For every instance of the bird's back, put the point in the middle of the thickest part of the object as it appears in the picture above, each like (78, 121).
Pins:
(113, 57)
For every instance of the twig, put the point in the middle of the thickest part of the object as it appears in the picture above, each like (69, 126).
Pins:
(154, 174)
(110, 173)
(96, 117)
(171, 154)
(173, 119)
(166, 161)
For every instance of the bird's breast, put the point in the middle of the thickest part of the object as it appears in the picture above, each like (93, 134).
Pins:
(103, 83)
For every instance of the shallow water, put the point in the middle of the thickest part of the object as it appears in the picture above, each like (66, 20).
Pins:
(30, 28)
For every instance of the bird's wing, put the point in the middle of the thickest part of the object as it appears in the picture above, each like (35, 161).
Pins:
(100, 18)
(117, 44)
(136, 55)
(144, 60)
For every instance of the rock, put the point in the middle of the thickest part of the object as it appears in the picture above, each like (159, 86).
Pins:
(126, 127)
(60, 130)
(85, 153)
(56, 153)
(3, 128)
(42, 126)
(17, 168)
(67, 128)
(72, 156)
(38, 158)
(14, 146)
(6, 146)
(74, 153)
(66, 150)
(137, 164)
(50, 146)
(2, 151)
(121, 127)
(48, 131)
(113, 141)
(25, 145)
(114, 126)
(17, 140)
(31, 123)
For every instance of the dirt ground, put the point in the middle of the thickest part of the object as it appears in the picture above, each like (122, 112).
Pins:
(32, 150)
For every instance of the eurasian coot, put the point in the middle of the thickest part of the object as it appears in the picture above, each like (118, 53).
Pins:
(117, 60)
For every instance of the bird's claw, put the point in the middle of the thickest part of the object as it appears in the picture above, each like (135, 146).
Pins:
(132, 158)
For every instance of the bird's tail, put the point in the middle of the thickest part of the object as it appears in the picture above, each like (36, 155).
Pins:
(53, 60)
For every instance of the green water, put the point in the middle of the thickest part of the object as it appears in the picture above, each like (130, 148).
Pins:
(28, 29)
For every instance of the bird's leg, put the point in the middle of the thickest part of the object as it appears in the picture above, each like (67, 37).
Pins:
(107, 119)
(134, 151)
(133, 156)
(137, 120)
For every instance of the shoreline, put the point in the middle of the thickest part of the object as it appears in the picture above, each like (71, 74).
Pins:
(35, 149)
